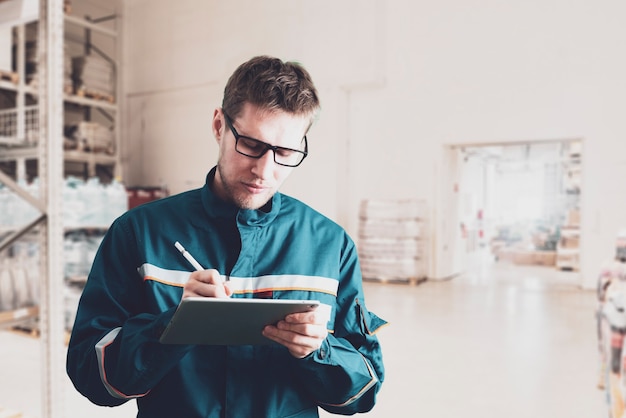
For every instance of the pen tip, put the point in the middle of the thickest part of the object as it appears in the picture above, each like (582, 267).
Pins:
(178, 246)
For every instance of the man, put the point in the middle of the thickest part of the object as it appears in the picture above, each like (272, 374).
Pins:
(267, 245)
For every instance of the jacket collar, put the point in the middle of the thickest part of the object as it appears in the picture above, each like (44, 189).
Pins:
(217, 208)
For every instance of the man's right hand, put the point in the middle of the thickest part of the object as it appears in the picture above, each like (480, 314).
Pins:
(206, 283)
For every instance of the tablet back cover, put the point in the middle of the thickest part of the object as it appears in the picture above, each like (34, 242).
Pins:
(217, 321)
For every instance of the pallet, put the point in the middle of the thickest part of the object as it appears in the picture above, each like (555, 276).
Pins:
(8, 413)
(9, 76)
(34, 332)
(18, 316)
(95, 95)
(26, 330)
(412, 281)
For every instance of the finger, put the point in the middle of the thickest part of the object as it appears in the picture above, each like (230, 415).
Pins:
(312, 317)
(229, 291)
(298, 345)
(206, 290)
(210, 276)
(205, 283)
(220, 290)
(308, 330)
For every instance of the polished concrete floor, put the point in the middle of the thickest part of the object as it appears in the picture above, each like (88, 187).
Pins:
(500, 341)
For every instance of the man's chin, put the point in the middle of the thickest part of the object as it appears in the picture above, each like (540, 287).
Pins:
(253, 203)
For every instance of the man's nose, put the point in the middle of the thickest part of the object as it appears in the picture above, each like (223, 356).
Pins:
(265, 165)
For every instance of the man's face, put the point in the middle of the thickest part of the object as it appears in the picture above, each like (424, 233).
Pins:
(247, 182)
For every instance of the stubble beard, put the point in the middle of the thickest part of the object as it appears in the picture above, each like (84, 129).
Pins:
(241, 200)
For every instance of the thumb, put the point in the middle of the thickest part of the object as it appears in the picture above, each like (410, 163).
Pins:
(227, 289)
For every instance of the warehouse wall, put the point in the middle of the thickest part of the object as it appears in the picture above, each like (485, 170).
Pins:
(179, 56)
(399, 80)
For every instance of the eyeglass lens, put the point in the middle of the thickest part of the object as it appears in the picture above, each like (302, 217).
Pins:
(255, 148)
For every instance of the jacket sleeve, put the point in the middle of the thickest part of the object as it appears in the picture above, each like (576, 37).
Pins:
(346, 372)
(114, 354)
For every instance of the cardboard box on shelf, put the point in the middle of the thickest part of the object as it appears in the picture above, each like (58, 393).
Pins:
(571, 241)
(522, 257)
(573, 217)
(545, 258)
(536, 258)
(568, 259)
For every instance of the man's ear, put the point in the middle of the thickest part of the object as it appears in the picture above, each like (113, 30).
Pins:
(217, 125)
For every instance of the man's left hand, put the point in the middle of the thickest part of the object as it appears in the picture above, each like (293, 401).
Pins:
(302, 333)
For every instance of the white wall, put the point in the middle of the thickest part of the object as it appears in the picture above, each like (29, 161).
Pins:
(398, 79)
(181, 54)
(5, 48)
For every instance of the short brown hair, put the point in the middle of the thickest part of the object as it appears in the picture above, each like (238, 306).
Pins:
(271, 84)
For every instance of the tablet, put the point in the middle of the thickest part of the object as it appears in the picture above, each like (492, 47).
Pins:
(219, 321)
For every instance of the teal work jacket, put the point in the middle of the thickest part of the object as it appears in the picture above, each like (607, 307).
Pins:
(290, 252)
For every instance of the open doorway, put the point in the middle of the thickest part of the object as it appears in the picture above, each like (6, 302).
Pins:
(517, 203)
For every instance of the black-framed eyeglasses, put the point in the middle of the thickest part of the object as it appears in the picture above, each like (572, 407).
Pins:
(254, 148)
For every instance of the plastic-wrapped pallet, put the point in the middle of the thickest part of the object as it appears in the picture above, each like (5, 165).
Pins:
(18, 288)
(392, 240)
(89, 136)
(94, 76)
(33, 76)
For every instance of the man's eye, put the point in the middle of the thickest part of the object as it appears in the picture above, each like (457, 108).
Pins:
(251, 144)
(284, 152)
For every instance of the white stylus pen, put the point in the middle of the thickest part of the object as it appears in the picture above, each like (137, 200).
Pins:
(188, 256)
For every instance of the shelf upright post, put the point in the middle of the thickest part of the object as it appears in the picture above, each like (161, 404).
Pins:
(120, 99)
(20, 132)
(51, 41)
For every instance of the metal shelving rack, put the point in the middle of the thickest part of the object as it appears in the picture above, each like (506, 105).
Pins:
(51, 100)
(25, 116)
